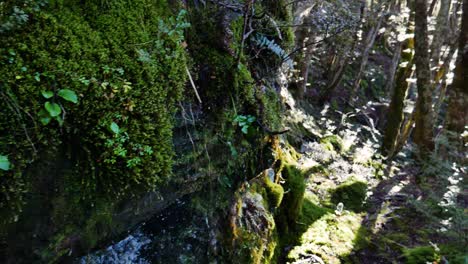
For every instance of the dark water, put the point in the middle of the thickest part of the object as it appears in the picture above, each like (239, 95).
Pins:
(176, 235)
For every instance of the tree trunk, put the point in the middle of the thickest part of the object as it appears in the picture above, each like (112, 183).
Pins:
(395, 110)
(368, 44)
(441, 31)
(422, 134)
(458, 92)
(389, 87)
(440, 79)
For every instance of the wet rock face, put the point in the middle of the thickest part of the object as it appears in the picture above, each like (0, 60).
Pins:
(125, 251)
(253, 217)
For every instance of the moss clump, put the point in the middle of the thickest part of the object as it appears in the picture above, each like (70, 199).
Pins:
(351, 193)
(332, 143)
(421, 255)
(293, 199)
(275, 193)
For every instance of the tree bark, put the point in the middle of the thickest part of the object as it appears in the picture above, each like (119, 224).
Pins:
(423, 134)
(458, 92)
(395, 110)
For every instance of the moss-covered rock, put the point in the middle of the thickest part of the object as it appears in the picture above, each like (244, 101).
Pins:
(351, 193)
(333, 143)
(255, 236)
(421, 255)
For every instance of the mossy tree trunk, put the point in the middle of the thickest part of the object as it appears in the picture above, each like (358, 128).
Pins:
(400, 88)
(423, 135)
(395, 110)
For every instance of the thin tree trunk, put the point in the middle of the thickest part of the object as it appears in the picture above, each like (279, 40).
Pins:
(439, 80)
(422, 134)
(441, 31)
(458, 93)
(431, 8)
(389, 87)
(395, 110)
(405, 132)
(368, 44)
(340, 69)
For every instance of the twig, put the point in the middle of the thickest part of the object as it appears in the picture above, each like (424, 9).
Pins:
(247, 22)
(185, 117)
(193, 84)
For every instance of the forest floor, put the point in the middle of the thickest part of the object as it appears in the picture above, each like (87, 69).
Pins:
(359, 208)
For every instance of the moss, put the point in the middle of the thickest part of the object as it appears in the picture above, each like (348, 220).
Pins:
(271, 108)
(120, 68)
(332, 143)
(330, 237)
(421, 255)
(275, 193)
(294, 197)
(255, 239)
(351, 193)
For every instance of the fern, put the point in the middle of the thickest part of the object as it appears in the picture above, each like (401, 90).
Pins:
(264, 42)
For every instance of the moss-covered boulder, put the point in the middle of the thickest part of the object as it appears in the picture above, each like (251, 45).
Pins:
(255, 237)
(351, 193)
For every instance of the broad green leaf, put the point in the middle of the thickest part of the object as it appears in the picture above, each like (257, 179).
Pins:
(115, 128)
(251, 119)
(4, 163)
(53, 109)
(47, 94)
(68, 95)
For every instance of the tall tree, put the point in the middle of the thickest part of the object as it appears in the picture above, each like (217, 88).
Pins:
(422, 134)
(395, 110)
(458, 93)
(399, 88)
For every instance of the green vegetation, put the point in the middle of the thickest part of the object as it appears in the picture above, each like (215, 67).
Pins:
(116, 72)
(421, 255)
(116, 111)
(351, 193)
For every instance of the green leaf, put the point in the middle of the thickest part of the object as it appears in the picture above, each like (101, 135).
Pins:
(68, 95)
(115, 128)
(53, 109)
(59, 120)
(45, 120)
(245, 129)
(4, 163)
(47, 94)
(251, 119)
(44, 117)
